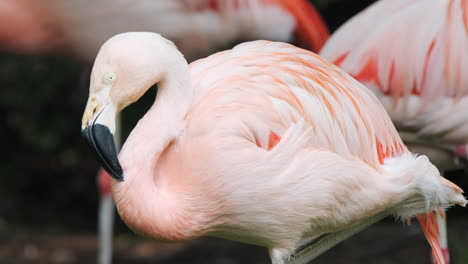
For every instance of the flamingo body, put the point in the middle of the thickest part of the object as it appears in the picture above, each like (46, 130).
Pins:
(265, 144)
(199, 27)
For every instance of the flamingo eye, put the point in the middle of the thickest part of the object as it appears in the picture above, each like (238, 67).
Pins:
(110, 77)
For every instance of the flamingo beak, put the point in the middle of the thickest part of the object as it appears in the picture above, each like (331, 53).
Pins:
(97, 131)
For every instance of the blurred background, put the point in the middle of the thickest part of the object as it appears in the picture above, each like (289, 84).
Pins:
(48, 193)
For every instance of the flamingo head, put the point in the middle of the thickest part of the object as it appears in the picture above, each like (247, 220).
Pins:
(126, 66)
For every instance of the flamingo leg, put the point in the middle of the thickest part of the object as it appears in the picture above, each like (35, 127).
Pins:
(442, 224)
(105, 227)
(106, 213)
(306, 253)
(441, 218)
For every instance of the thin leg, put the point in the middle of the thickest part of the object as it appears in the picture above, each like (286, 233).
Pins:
(304, 255)
(441, 218)
(105, 229)
(442, 224)
(106, 213)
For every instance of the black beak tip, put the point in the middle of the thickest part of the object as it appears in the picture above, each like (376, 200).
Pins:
(118, 177)
(101, 141)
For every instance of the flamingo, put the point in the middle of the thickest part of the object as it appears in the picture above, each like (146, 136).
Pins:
(199, 27)
(413, 54)
(266, 144)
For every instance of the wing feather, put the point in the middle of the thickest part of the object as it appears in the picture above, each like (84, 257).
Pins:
(272, 86)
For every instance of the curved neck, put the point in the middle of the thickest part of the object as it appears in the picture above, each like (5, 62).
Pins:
(138, 198)
(162, 123)
(142, 199)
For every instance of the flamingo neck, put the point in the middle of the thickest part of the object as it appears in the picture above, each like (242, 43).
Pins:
(142, 198)
(163, 121)
(157, 129)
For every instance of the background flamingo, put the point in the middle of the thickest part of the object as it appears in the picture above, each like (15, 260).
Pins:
(265, 144)
(198, 27)
(413, 54)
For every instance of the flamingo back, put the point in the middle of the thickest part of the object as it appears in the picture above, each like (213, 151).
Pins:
(346, 118)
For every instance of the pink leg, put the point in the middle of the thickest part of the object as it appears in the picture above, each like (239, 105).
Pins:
(442, 223)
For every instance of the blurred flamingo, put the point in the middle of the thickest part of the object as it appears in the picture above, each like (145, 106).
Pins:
(414, 55)
(265, 144)
(199, 27)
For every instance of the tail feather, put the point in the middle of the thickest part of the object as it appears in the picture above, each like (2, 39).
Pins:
(311, 31)
(431, 231)
(423, 192)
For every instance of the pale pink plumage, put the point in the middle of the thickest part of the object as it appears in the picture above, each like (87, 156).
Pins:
(413, 55)
(203, 160)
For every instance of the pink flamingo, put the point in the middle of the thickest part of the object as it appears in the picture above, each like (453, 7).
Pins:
(413, 54)
(265, 144)
(199, 27)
